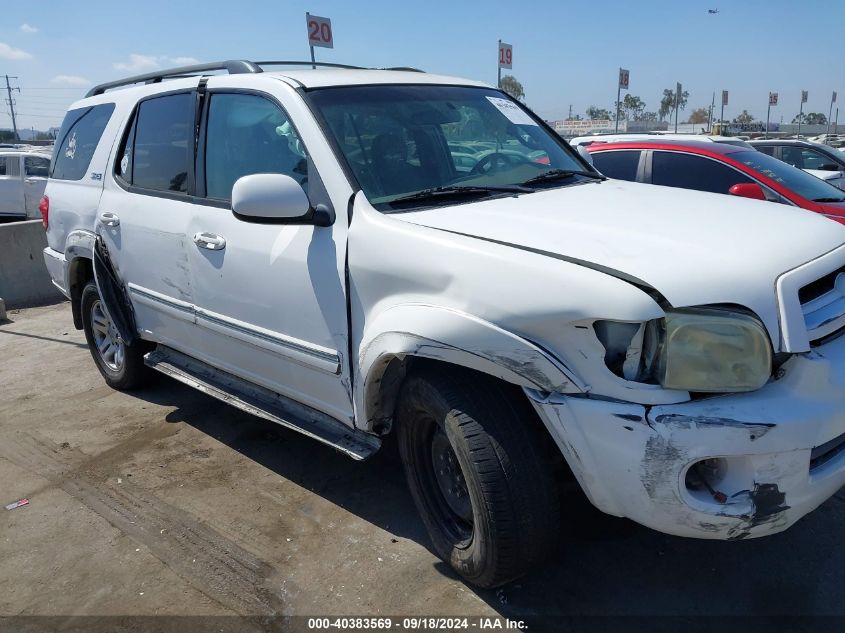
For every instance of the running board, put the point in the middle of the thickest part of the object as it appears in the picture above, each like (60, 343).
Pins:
(262, 402)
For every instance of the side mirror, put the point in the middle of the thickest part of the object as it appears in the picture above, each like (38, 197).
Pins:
(748, 190)
(276, 199)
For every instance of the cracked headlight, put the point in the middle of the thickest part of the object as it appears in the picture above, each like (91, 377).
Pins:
(709, 350)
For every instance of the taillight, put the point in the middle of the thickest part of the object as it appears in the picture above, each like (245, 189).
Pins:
(44, 207)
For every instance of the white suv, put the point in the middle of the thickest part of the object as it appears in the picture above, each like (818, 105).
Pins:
(304, 245)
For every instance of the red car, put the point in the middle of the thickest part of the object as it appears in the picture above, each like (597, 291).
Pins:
(717, 168)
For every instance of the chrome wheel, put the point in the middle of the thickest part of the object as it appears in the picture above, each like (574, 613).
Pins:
(110, 346)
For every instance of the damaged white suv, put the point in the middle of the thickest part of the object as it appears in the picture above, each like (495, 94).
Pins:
(355, 252)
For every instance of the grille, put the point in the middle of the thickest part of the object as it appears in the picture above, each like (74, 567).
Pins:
(827, 451)
(819, 287)
(823, 305)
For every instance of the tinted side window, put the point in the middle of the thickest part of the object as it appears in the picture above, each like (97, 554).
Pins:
(3, 165)
(766, 149)
(36, 166)
(78, 138)
(673, 169)
(164, 143)
(617, 164)
(248, 134)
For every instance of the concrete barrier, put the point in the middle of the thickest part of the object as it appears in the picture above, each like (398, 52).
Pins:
(24, 280)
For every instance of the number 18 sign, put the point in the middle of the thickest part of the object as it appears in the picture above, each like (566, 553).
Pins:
(319, 31)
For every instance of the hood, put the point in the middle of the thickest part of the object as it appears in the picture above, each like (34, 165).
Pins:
(825, 174)
(694, 248)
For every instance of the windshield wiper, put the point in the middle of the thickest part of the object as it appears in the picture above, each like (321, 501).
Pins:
(453, 191)
(561, 174)
(828, 199)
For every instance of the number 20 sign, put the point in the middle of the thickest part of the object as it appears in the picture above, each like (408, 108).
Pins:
(319, 31)
(505, 55)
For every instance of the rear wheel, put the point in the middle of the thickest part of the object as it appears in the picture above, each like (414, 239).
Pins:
(477, 469)
(121, 364)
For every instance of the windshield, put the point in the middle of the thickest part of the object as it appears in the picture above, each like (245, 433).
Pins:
(402, 140)
(792, 178)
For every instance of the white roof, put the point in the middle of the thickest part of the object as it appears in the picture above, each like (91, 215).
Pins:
(324, 77)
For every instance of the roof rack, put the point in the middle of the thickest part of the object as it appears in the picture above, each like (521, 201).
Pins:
(233, 67)
(308, 63)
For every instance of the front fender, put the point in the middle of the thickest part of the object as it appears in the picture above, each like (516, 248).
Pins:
(444, 334)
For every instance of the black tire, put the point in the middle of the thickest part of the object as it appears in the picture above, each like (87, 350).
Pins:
(130, 372)
(500, 453)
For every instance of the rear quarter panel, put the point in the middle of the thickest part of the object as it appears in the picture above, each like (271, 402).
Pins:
(74, 203)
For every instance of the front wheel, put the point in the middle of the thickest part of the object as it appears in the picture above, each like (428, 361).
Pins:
(478, 474)
(121, 364)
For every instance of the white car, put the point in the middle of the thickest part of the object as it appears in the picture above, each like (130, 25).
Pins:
(23, 176)
(300, 244)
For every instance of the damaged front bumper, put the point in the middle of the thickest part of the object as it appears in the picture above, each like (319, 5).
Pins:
(779, 451)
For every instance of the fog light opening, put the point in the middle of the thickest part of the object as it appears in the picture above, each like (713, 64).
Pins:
(706, 476)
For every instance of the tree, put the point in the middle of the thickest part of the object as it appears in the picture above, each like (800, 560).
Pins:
(647, 116)
(511, 85)
(744, 118)
(598, 114)
(667, 103)
(811, 118)
(631, 107)
(700, 115)
(577, 117)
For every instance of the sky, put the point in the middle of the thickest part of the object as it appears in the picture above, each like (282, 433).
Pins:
(564, 53)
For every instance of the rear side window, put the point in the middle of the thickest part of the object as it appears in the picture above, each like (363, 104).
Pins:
(159, 147)
(766, 149)
(77, 140)
(10, 166)
(621, 165)
(36, 166)
(673, 169)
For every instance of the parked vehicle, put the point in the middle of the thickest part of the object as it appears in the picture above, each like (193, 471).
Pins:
(721, 169)
(301, 245)
(822, 161)
(23, 176)
(654, 136)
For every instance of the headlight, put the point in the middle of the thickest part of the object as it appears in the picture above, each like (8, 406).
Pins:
(711, 350)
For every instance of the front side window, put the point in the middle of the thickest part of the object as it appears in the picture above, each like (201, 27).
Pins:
(4, 161)
(36, 166)
(808, 159)
(792, 178)
(248, 134)
(77, 139)
(162, 146)
(401, 140)
(674, 169)
(619, 164)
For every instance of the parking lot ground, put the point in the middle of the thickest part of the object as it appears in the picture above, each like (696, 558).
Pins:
(165, 501)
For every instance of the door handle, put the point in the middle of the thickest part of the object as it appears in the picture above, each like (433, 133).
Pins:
(210, 241)
(109, 219)
(30, 181)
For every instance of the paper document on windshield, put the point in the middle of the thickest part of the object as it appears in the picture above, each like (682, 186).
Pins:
(513, 112)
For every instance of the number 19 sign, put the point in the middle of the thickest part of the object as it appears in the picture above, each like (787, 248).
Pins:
(505, 55)
(319, 31)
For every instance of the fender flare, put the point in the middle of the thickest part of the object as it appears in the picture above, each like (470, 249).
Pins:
(448, 335)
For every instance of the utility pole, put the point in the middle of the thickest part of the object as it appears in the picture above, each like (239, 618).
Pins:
(570, 111)
(710, 117)
(11, 103)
